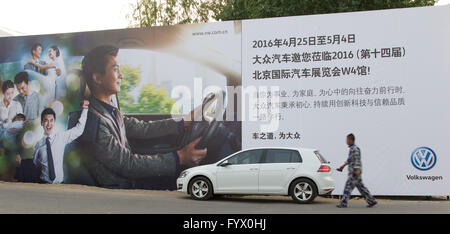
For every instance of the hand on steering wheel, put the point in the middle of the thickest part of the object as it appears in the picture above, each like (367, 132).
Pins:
(191, 156)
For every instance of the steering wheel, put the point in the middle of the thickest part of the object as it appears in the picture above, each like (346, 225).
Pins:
(208, 127)
(210, 132)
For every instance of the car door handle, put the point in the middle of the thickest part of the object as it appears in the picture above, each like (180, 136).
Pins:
(253, 169)
(290, 168)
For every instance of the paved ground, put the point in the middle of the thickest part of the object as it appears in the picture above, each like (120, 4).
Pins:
(38, 198)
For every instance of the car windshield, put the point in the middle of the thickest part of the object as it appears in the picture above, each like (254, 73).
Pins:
(320, 157)
(159, 83)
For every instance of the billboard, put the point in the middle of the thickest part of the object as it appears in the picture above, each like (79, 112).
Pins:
(381, 75)
(304, 81)
(135, 75)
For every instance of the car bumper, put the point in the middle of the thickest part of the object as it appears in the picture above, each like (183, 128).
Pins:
(326, 185)
(326, 191)
(181, 185)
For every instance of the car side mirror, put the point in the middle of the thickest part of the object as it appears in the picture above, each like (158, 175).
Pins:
(225, 163)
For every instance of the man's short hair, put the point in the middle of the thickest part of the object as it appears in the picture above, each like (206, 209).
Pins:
(34, 47)
(19, 117)
(351, 137)
(7, 85)
(21, 77)
(56, 49)
(48, 111)
(95, 62)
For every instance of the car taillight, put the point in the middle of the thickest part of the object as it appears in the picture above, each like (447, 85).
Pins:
(324, 168)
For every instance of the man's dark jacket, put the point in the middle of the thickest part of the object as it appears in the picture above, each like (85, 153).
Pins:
(110, 159)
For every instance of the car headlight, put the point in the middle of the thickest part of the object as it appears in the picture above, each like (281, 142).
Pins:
(183, 174)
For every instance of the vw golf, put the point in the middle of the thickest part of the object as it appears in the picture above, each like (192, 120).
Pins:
(297, 172)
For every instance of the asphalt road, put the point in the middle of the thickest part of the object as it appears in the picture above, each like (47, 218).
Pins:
(38, 198)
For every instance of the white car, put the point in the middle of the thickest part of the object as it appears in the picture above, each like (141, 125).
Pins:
(301, 173)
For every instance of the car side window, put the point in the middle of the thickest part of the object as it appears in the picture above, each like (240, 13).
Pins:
(282, 156)
(247, 157)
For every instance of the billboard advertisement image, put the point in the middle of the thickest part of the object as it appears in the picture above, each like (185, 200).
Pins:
(111, 105)
(133, 108)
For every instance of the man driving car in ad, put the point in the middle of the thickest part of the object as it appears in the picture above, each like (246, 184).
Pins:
(112, 162)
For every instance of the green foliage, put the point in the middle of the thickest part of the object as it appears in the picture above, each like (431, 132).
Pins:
(148, 13)
(151, 99)
(154, 100)
(3, 162)
(9, 70)
(250, 9)
(131, 77)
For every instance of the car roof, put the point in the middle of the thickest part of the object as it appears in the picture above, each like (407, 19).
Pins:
(280, 147)
(273, 147)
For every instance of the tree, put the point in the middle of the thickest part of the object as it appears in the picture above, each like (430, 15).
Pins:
(131, 78)
(154, 100)
(148, 13)
(243, 9)
(150, 100)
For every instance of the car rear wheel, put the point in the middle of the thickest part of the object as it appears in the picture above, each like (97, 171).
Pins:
(200, 188)
(303, 191)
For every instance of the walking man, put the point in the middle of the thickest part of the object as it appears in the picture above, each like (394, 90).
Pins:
(354, 175)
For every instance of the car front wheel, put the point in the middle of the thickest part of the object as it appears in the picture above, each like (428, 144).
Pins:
(200, 188)
(303, 191)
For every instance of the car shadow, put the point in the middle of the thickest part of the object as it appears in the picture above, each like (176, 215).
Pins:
(254, 199)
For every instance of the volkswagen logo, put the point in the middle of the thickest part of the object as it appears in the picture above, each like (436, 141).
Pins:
(423, 158)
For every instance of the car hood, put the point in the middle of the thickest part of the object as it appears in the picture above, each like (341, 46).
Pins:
(203, 167)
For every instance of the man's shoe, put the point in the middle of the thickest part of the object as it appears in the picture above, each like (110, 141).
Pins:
(372, 204)
(341, 206)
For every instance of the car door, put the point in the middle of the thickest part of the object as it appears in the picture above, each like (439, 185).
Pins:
(241, 173)
(277, 168)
